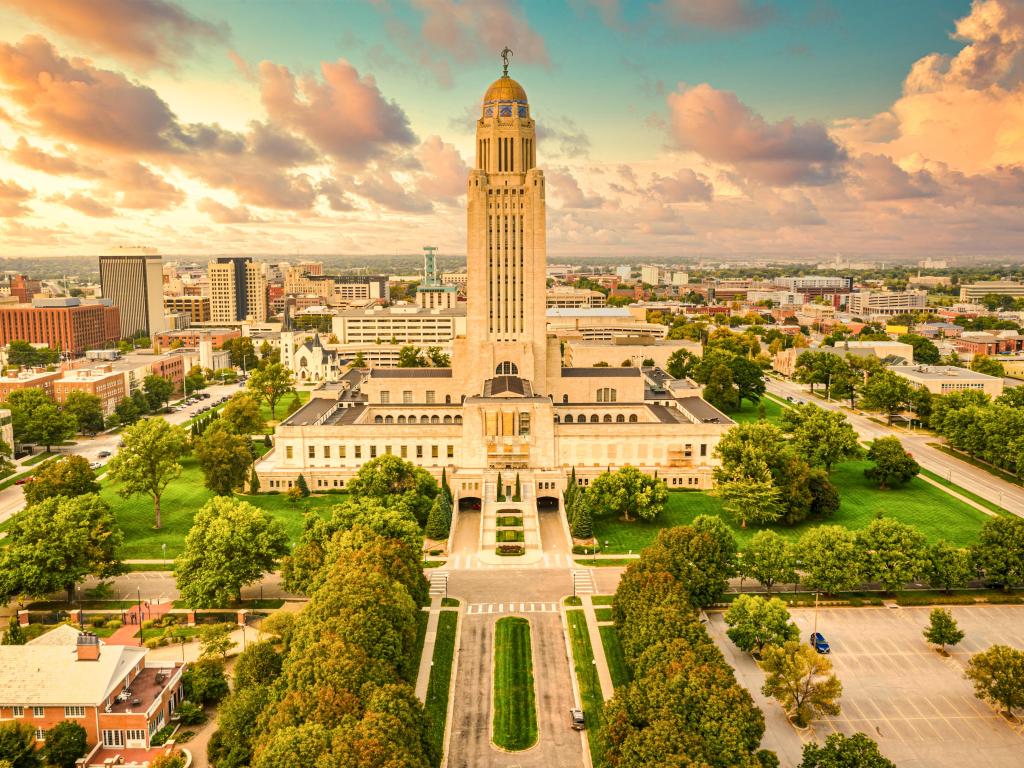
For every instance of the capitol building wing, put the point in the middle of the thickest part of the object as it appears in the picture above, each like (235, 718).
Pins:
(507, 405)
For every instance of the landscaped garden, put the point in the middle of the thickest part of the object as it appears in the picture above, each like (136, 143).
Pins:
(515, 706)
(931, 510)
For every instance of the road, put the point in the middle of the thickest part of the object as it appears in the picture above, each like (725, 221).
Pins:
(978, 481)
(12, 500)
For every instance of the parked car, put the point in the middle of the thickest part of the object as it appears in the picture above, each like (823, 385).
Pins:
(819, 643)
(103, 454)
(96, 465)
(576, 719)
(24, 480)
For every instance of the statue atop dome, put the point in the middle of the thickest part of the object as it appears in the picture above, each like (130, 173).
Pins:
(505, 53)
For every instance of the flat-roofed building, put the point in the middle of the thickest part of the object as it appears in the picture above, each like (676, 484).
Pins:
(103, 381)
(70, 325)
(191, 337)
(337, 290)
(238, 289)
(571, 297)
(868, 303)
(990, 342)
(404, 324)
(975, 292)
(197, 307)
(943, 379)
(601, 324)
(132, 278)
(636, 350)
(26, 379)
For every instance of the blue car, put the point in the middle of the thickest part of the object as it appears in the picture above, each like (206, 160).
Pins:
(819, 643)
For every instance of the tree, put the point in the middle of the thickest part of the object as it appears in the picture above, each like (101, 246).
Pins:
(69, 476)
(293, 405)
(14, 635)
(65, 743)
(582, 526)
(987, 365)
(440, 518)
(924, 350)
(231, 543)
(755, 622)
(224, 457)
(254, 481)
(680, 364)
(195, 380)
(942, 629)
(204, 681)
(18, 745)
(259, 664)
(242, 352)
(302, 485)
(215, 640)
(393, 481)
(86, 409)
(22, 403)
(270, 384)
(840, 751)
(770, 559)
(126, 412)
(25, 355)
(756, 500)
(947, 567)
(158, 391)
(998, 555)
(149, 461)
(800, 679)
(891, 553)
(893, 465)
(410, 356)
(886, 392)
(439, 358)
(168, 760)
(998, 676)
(821, 436)
(829, 559)
(56, 543)
(242, 412)
(624, 491)
(720, 390)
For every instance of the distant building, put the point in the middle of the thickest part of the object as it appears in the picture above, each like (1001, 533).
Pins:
(191, 337)
(990, 342)
(403, 324)
(68, 325)
(22, 288)
(432, 293)
(132, 278)
(238, 289)
(197, 307)
(571, 297)
(6, 427)
(974, 292)
(624, 272)
(600, 324)
(337, 290)
(815, 284)
(103, 381)
(638, 350)
(943, 379)
(26, 379)
(868, 303)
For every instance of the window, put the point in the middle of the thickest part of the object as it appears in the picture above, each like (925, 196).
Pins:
(312, 451)
(38, 712)
(373, 451)
(404, 451)
(287, 451)
(387, 449)
(385, 396)
(341, 451)
(17, 711)
(327, 451)
(40, 734)
(524, 423)
(632, 418)
(133, 734)
(506, 368)
(703, 449)
(407, 396)
(74, 711)
(451, 451)
(114, 738)
(433, 451)
(358, 451)
(431, 396)
(620, 419)
(419, 451)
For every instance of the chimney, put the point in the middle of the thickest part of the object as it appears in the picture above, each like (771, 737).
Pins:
(88, 647)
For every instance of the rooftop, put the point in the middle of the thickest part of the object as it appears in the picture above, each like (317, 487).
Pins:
(410, 373)
(940, 372)
(604, 373)
(44, 675)
(310, 413)
(588, 312)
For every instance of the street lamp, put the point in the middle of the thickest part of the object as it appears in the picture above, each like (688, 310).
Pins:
(138, 594)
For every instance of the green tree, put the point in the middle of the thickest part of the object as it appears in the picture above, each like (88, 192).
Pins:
(231, 543)
(987, 365)
(582, 526)
(840, 751)
(942, 629)
(893, 465)
(259, 664)
(886, 392)
(756, 500)
(755, 622)
(242, 352)
(829, 559)
(998, 676)
(204, 681)
(14, 635)
(720, 391)
(625, 491)
(998, 555)
(243, 413)
(126, 412)
(57, 543)
(947, 567)
(770, 559)
(891, 553)
(681, 363)
(392, 480)
(302, 485)
(215, 640)
(158, 391)
(65, 743)
(924, 350)
(440, 518)
(800, 679)
(25, 355)
(86, 409)
(438, 358)
(195, 380)
(225, 458)
(18, 745)
(410, 356)
(69, 476)
(238, 726)
(823, 437)
(50, 426)
(270, 384)
(22, 403)
(149, 461)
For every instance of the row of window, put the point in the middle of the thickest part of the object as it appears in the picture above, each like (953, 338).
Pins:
(595, 419)
(112, 738)
(18, 711)
(357, 451)
(402, 419)
(407, 394)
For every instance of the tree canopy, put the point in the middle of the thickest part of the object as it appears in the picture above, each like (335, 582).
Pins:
(69, 476)
(149, 461)
(627, 492)
(224, 456)
(270, 384)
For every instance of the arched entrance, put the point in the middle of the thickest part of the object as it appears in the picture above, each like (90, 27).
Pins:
(548, 504)
(469, 504)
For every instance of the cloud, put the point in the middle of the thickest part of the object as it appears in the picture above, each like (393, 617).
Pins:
(718, 126)
(568, 190)
(685, 186)
(83, 204)
(223, 214)
(12, 199)
(143, 33)
(877, 177)
(343, 114)
(719, 15)
(381, 187)
(562, 137)
(139, 187)
(57, 165)
(444, 172)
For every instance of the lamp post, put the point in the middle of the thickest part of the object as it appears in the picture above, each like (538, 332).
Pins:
(138, 594)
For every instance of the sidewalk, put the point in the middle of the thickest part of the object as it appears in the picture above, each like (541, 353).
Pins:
(133, 618)
(427, 657)
(601, 661)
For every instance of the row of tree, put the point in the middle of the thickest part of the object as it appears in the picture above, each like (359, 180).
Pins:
(988, 430)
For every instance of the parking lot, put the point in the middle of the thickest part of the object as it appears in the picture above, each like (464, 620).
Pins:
(916, 704)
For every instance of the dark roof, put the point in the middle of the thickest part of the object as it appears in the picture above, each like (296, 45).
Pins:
(701, 409)
(601, 372)
(310, 412)
(345, 415)
(665, 415)
(500, 385)
(411, 373)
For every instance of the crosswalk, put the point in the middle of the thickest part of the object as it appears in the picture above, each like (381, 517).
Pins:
(463, 561)
(514, 607)
(438, 584)
(583, 582)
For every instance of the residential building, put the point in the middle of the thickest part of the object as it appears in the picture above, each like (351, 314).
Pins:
(238, 289)
(868, 303)
(401, 324)
(943, 379)
(337, 290)
(990, 342)
(680, 279)
(103, 381)
(26, 379)
(191, 337)
(975, 292)
(197, 307)
(571, 297)
(132, 278)
(69, 325)
(119, 697)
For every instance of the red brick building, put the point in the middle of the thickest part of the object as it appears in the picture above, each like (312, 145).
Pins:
(65, 324)
(190, 337)
(25, 379)
(24, 289)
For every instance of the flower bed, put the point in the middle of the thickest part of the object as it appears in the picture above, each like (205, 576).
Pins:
(510, 550)
(509, 535)
(510, 521)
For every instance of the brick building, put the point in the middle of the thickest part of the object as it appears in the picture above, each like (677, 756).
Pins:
(39, 377)
(190, 337)
(69, 325)
(103, 381)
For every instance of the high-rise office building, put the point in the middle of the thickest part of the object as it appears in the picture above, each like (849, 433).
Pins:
(132, 278)
(238, 289)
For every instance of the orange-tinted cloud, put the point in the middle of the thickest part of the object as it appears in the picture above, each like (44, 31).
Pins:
(139, 187)
(12, 199)
(84, 204)
(223, 214)
(444, 172)
(567, 189)
(144, 33)
(39, 160)
(717, 14)
(718, 126)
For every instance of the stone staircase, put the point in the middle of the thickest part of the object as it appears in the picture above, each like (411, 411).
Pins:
(491, 510)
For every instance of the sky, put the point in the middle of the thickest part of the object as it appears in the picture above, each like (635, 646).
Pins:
(668, 129)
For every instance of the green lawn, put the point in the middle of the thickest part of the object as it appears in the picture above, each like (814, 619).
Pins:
(931, 510)
(421, 634)
(515, 706)
(964, 492)
(282, 408)
(616, 659)
(603, 614)
(178, 506)
(749, 411)
(436, 706)
(590, 686)
(602, 599)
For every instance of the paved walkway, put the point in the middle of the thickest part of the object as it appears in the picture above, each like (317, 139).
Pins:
(133, 618)
(601, 661)
(427, 656)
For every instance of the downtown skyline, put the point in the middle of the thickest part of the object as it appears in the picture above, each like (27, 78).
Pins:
(675, 129)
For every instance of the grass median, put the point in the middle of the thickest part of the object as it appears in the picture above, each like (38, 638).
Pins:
(515, 704)
(591, 698)
(617, 666)
(440, 680)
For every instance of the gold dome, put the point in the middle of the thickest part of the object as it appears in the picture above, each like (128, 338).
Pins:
(505, 89)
